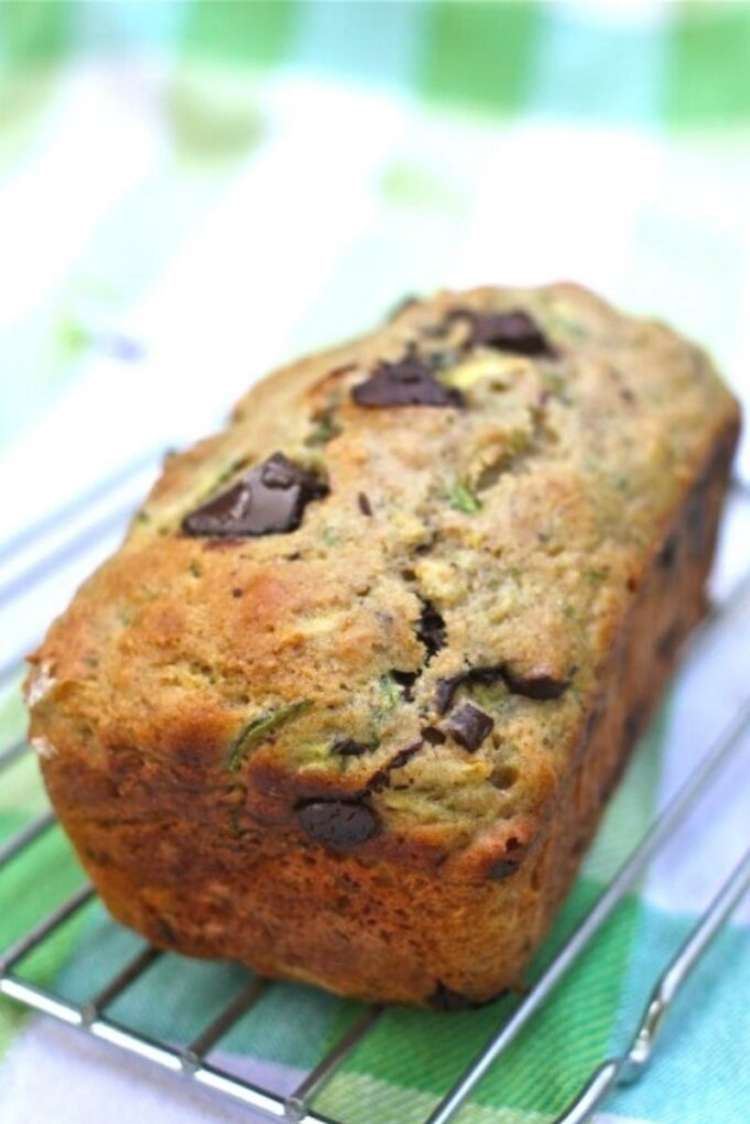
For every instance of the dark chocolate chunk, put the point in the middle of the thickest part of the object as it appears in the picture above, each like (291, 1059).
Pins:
(340, 824)
(399, 759)
(364, 504)
(269, 499)
(381, 779)
(534, 686)
(468, 725)
(507, 331)
(509, 862)
(502, 868)
(347, 747)
(406, 681)
(431, 629)
(432, 735)
(410, 381)
(446, 688)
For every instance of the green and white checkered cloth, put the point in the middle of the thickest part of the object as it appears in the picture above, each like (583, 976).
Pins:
(193, 191)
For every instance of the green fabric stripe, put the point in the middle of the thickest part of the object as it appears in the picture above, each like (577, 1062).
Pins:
(708, 65)
(35, 883)
(256, 33)
(479, 54)
(34, 32)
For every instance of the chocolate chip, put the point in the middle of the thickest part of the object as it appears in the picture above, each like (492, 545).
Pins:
(381, 779)
(446, 688)
(399, 759)
(270, 499)
(509, 862)
(469, 726)
(502, 868)
(406, 681)
(432, 735)
(340, 824)
(364, 504)
(237, 592)
(347, 747)
(431, 629)
(535, 685)
(507, 331)
(410, 381)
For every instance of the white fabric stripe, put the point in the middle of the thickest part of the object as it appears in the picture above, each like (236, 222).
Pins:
(686, 875)
(50, 207)
(557, 199)
(54, 1073)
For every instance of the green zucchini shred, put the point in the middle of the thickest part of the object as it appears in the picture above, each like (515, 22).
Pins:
(259, 728)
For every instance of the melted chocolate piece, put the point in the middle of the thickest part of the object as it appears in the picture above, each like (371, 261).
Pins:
(507, 331)
(403, 755)
(502, 868)
(469, 726)
(432, 735)
(409, 381)
(406, 681)
(364, 504)
(381, 779)
(340, 824)
(431, 629)
(534, 686)
(447, 688)
(508, 863)
(269, 499)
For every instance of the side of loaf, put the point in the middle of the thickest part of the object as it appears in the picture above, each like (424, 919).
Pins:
(348, 702)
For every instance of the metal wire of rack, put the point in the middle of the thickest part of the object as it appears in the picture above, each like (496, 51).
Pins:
(193, 1060)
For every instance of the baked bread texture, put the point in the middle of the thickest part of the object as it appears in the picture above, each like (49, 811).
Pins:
(348, 702)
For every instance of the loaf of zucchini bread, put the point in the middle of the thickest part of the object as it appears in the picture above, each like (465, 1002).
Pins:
(348, 702)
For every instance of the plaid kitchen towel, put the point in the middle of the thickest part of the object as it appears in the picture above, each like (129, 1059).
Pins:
(193, 191)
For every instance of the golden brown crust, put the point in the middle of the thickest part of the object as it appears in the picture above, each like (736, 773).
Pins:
(194, 698)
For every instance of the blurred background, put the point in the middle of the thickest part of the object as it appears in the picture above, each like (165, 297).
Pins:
(192, 191)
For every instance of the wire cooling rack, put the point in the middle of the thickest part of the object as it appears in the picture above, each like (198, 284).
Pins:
(83, 523)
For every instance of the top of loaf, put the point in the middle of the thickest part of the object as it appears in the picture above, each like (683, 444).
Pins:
(401, 656)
